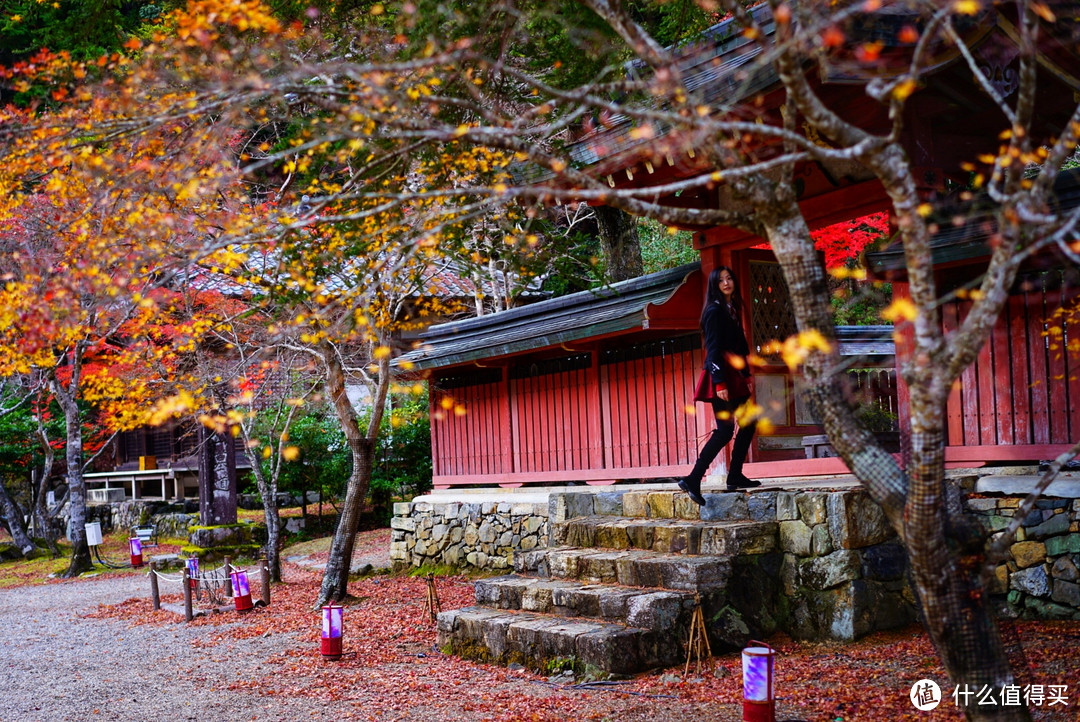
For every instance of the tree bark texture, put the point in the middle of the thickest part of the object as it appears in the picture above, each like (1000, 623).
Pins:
(622, 247)
(80, 551)
(944, 574)
(336, 577)
(15, 524)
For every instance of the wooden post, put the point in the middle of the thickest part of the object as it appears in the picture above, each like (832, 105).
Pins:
(155, 595)
(228, 577)
(188, 616)
(264, 573)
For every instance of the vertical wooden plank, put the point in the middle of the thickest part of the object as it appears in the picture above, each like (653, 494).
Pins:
(1057, 382)
(506, 425)
(623, 437)
(517, 422)
(1036, 344)
(635, 412)
(525, 450)
(545, 407)
(487, 431)
(581, 432)
(435, 428)
(1021, 376)
(607, 415)
(954, 408)
(1072, 357)
(969, 383)
(1003, 384)
(984, 367)
(564, 422)
(647, 399)
(679, 401)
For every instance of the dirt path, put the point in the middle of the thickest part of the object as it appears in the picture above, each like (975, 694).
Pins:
(57, 665)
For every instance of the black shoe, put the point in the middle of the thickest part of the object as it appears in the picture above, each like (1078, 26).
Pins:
(739, 481)
(694, 494)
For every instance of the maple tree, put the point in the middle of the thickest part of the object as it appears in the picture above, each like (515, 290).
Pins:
(465, 97)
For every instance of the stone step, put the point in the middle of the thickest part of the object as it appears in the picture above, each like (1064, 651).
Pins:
(719, 538)
(753, 504)
(637, 607)
(505, 637)
(628, 567)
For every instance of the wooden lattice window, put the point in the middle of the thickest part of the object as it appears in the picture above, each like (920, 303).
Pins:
(770, 305)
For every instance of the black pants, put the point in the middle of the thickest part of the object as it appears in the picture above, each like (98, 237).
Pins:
(725, 428)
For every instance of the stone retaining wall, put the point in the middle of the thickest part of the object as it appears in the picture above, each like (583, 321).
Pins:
(1041, 577)
(481, 535)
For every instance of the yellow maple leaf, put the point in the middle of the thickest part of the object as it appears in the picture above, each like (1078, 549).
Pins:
(901, 309)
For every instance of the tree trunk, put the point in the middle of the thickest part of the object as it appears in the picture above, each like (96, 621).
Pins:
(622, 247)
(336, 577)
(80, 552)
(16, 525)
(268, 491)
(944, 573)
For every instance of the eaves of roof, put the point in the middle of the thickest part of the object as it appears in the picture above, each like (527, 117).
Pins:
(969, 241)
(619, 308)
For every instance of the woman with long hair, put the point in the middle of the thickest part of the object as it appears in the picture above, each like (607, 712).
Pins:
(726, 354)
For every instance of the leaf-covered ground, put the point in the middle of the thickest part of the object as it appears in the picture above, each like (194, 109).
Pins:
(393, 670)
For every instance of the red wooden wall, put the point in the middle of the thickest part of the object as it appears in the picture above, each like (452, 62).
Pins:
(1024, 387)
(594, 416)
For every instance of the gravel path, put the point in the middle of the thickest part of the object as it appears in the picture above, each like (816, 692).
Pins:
(56, 665)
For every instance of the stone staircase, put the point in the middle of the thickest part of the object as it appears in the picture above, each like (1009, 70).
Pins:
(616, 588)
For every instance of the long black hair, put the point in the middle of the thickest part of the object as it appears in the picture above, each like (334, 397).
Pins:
(714, 295)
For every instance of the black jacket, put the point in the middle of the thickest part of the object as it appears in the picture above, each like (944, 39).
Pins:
(723, 337)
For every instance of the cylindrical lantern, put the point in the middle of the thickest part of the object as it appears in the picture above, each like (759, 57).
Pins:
(193, 572)
(331, 631)
(241, 591)
(759, 702)
(135, 547)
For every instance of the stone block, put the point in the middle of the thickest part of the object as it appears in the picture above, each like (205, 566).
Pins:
(456, 534)
(402, 508)
(471, 536)
(506, 539)
(529, 542)
(812, 507)
(1031, 581)
(1067, 593)
(608, 503)
(1000, 583)
(581, 501)
(856, 521)
(786, 509)
(1022, 485)
(636, 504)
(729, 506)
(795, 538)
(830, 571)
(661, 505)
(1057, 524)
(1064, 544)
(486, 533)
(1047, 610)
(568, 505)
(820, 541)
(884, 562)
(979, 504)
(1065, 569)
(438, 532)
(533, 524)
(421, 507)
(686, 508)
(1028, 553)
(1051, 503)
(761, 506)
(656, 610)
